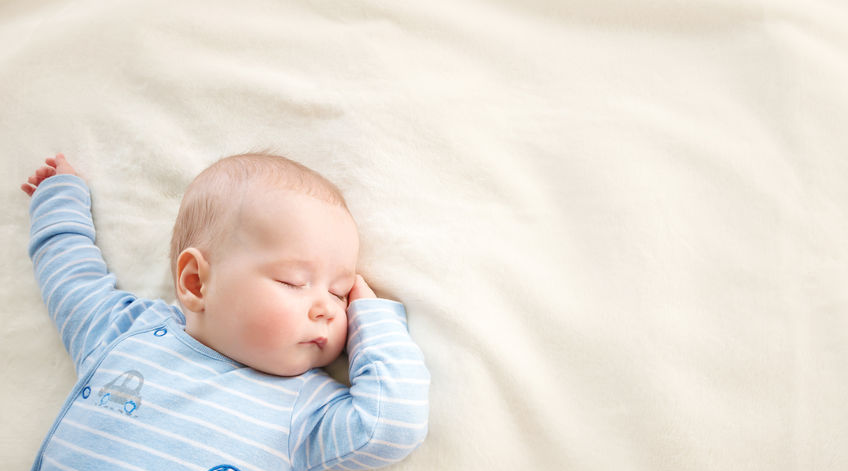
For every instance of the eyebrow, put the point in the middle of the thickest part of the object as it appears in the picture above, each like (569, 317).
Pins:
(301, 263)
(290, 261)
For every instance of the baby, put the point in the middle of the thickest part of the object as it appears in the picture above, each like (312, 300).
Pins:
(264, 255)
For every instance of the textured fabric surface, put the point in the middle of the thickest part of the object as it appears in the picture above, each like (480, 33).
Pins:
(619, 228)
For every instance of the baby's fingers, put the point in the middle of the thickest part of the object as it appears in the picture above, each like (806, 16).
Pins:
(361, 290)
(55, 166)
(28, 189)
(62, 165)
(41, 174)
(45, 172)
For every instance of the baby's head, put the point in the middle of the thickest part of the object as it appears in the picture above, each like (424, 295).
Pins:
(264, 254)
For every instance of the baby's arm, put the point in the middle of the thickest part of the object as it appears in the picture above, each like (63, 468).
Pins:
(382, 417)
(79, 292)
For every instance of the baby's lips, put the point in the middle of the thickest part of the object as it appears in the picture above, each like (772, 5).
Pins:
(320, 342)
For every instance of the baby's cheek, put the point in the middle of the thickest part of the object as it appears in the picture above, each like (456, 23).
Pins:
(266, 331)
(339, 328)
(338, 334)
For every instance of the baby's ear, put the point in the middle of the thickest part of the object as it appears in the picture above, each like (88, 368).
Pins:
(192, 273)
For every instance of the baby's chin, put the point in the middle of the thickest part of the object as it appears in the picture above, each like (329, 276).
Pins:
(290, 369)
(293, 370)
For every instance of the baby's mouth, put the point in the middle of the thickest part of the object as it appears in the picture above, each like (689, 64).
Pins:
(319, 341)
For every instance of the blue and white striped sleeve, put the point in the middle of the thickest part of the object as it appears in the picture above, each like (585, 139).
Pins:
(79, 292)
(382, 417)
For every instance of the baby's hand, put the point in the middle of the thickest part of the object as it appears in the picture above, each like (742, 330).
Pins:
(360, 290)
(55, 166)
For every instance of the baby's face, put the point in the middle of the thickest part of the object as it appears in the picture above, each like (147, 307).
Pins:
(277, 291)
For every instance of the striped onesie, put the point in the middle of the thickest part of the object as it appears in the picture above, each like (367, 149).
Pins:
(149, 396)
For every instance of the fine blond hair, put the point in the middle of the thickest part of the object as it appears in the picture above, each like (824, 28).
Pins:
(212, 201)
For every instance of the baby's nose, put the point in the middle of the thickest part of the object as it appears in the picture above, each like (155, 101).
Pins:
(321, 310)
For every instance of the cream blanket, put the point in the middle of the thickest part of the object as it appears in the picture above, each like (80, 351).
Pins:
(620, 228)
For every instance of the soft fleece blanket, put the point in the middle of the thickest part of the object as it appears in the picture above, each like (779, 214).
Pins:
(620, 228)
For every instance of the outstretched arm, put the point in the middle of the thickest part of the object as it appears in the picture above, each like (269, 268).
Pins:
(75, 284)
(382, 417)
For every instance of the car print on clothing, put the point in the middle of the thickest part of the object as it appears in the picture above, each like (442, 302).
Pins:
(123, 393)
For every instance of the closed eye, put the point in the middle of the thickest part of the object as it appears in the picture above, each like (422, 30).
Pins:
(290, 285)
(340, 297)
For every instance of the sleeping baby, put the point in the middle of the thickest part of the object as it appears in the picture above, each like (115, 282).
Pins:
(263, 256)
